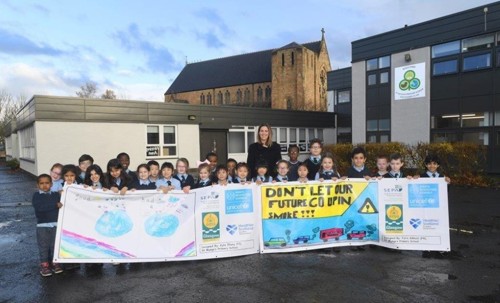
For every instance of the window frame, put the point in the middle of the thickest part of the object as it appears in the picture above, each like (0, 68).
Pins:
(471, 55)
(161, 144)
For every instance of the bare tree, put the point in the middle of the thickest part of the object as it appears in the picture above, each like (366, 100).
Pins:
(108, 94)
(9, 106)
(88, 90)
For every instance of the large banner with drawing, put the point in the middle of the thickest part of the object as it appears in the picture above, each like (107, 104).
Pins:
(98, 226)
(395, 213)
(146, 226)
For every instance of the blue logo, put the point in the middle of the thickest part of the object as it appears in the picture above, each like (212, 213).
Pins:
(415, 222)
(239, 201)
(231, 228)
(423, 195)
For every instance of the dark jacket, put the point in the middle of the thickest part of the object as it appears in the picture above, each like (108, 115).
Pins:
(46, 210)
(257, 152)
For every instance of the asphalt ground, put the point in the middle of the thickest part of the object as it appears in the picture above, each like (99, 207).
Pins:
(469, 273)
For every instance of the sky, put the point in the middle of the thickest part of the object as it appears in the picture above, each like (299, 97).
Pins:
(137, 48)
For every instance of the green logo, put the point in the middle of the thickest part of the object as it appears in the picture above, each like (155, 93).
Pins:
(409, 82)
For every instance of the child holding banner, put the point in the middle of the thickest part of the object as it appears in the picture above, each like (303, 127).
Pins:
(186, 180)
(382, 165)
(222, 175)
(143, 181)
(262, 174)
(168, 182)
(302, 171)
(327, 170)
(119, 180)
(358, 168)
(314, 161)
(154, 170)
(46, 204)
(293, 162)
(242, 172)
(203, 176)
(55, 175)
(432, 164)
(95, 178)
(282, 167)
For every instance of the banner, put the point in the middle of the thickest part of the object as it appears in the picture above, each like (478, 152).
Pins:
(146, 226)
(96, 226)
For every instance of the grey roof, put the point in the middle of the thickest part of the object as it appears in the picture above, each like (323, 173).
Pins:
(229, 71)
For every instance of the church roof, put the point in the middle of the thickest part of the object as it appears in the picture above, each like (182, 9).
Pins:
(229, 71)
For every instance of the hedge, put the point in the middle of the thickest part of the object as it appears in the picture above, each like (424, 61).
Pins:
(463, 162)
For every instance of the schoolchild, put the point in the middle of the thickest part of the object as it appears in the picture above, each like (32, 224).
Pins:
(154, 170)
(283, 168)
(186, 180)
(261, 173)
(168, 182)
(70, 174)
(203, 176)
(95, 178)
(55, 175)
(314, 161)
(119, 180)
(231, 169)
(222, 175)
(396, 163)
(124, 159)
(212, 159)
(293, 162)
(242, 174)
(382, 166)
(358, 168)
(46, 204)
(328, 170)
(143, 182)
(302, 171)
(83, 162)
(432, 164)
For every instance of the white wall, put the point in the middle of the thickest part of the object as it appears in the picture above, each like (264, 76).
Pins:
(410, 118)
(65, 142)
(359, 102)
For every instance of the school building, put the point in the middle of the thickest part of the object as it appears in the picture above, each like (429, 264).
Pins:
(437, 81)
(51, 129)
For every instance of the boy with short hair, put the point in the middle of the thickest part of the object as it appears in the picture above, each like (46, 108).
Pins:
(432, 164)
(154, 170)
(124, 159)
(212, 163)
(293, 162)
(313, 163)
(358, 168)
(396, 163)
(46, 204)
(382, 165)
(83, 162)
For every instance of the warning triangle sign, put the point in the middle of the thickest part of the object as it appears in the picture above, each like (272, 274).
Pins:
(368, 207)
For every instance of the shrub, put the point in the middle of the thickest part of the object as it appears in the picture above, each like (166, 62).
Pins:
(12, 163)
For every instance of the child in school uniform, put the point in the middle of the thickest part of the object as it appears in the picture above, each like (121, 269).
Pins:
(168, 182)
(293, 162)
(95, 177)
(70, 175)
(46, 204)
(55, 175)
(212, 159)
(262, 175)
(83, 163)
(124, 159)
(242, 174)
(231, 169)
(382, 166)
(222, 175)
(119, 180)
(396, 163)
(302, 171)
(282, 168)
(203, 176)
(314, 161)
(154, 170)
(327, 170)
(432, 164)
(358, 168)
(186, 180)
(143, 182)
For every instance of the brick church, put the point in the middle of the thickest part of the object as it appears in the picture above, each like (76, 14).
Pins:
(290, 77)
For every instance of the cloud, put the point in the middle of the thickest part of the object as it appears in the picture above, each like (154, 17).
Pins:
(158, 58)
(210, 39)
(15, 44)
(212, 17)
(41, 8)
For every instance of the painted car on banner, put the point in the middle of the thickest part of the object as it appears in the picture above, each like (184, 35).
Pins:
(275, 242)
(303, 239)
(331, 233)
(356, 234)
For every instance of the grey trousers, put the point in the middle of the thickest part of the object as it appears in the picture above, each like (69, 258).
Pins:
(46, 238)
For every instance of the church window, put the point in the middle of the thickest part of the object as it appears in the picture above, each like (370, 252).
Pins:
(289, 103)
(247, 96)
(293, 58)
(209, 99)
(202, 99)
(227, 97)
(260, 96)
(268, 94)
(238, 96)
(282, 59)
(219, 98)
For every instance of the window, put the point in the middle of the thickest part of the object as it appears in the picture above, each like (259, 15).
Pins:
(372, 79)
(219, 98)
(282, 135)
(476, 62)
(384, 124)
(293, 135)
(293, 58)
(260, 97)
(480, 42)
(384, 62)
(202, 99)
(239, 138)
(372, 64)
(480, 138)
(384, 138)
(227, 97)
(161, 141)
(445, 67)
(476, 119)
(209, 99)
(384, 77)
(497, 118)
(282, 59)
(371, 125)
(247, 96)
(498, 57)
(268, 94)
(445, 121)
(446, 49)
(344, 96)
(27, 142)
(239, 97)
(444, 137)
(372, 139)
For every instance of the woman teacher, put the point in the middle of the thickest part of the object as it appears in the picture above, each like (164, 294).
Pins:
(264, 150)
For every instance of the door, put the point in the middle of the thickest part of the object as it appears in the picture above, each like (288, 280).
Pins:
(214, 141)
